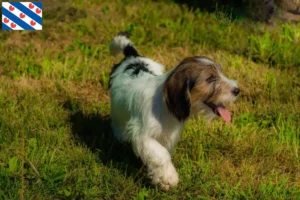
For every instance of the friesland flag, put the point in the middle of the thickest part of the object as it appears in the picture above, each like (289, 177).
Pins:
(22, 15)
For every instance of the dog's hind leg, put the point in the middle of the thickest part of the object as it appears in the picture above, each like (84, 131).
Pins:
(158, 161)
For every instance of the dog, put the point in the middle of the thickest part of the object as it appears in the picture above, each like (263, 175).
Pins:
(149, 107)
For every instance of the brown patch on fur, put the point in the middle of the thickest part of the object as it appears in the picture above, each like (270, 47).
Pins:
(182, 87)
(203, 90)
(194, 80)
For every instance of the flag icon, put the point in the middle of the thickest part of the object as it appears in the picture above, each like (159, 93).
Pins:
(22, 16)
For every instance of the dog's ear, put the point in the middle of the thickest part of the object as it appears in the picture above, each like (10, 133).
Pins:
(177, 93)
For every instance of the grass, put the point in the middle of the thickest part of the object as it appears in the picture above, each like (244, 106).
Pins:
(55, 139)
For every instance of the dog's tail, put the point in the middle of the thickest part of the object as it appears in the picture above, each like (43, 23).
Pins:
(122, 43)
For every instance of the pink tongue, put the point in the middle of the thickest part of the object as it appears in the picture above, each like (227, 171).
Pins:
(225, 114)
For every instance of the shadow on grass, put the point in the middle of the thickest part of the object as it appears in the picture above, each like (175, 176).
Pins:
(233, 8)
(94, 131)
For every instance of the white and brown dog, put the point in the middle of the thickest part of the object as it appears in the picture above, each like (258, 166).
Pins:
(149, 108)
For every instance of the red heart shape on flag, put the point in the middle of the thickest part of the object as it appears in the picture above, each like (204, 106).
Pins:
(11, 8)
(13, 25)
(32, 23)
(22, 15)
(6, 20)
(38, 11)
(31, 6)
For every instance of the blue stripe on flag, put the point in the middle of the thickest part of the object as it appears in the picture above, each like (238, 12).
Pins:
(17, 20)
(38, 4)
(27, 11)
(5, 27)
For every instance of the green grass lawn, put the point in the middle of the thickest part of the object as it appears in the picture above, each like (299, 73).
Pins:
(55, 139)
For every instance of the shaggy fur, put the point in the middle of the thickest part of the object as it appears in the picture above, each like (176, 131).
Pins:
(149, 108)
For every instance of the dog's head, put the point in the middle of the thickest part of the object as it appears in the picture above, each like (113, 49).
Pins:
(197, 85)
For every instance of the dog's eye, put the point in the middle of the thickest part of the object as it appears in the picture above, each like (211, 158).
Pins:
(211, 79)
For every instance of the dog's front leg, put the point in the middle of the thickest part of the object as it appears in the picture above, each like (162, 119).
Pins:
(158, 161)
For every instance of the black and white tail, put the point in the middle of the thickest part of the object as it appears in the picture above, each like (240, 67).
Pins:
(121, 43)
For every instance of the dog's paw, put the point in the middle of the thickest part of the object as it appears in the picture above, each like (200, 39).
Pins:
(170, 177)
(164, 188)
(165, 176)
(168, 181)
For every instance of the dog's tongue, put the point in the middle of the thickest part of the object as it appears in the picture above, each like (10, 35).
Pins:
(225, 114)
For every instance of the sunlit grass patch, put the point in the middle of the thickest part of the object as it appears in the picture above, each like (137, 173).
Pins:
(56, 141)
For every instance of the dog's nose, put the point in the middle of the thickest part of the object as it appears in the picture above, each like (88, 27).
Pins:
(235, 91)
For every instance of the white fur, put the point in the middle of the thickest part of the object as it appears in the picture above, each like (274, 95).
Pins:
(154, 67)
(139, 115)
(232, 83)
(118, 44)
(206, 61)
